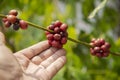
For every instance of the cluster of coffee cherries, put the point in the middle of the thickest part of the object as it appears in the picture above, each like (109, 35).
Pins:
(58, 35)
(11, 19)
(100, 47)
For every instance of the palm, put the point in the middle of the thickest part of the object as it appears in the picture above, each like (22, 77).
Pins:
(41, 61)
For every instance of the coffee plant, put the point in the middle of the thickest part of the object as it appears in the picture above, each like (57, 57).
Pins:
(86, 59)
(57, 34)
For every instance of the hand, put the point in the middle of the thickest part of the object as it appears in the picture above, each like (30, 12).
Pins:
(40, 61)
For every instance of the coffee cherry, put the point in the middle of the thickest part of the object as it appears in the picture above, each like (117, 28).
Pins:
(104, 48)
(92, 51)
(50, 42)
(62, 34)
(57, 24)
(63, 40)
(107, 44)
(50, 36)
(63, 27)
(102, 41)
(100, 48)
(56, 29)
(4, 20)
(16, 26)
(7, 24)
(11, 18)
(97, 43)
(46, 32)
(60, 46)
(23, 24)
(98, 54)
(57, 36)
(105, 54)
(51, 27)
(96, 49)
(55, 44)
(13, 12)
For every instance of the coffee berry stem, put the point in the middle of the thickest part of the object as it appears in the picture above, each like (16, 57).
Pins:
(73, 40)
(42, 28)
(80, 42)
(113, 53)
(1, 15)
(39, 27)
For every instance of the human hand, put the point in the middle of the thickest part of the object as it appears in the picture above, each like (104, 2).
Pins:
(41, 61)
(38, 62)
(9, 66)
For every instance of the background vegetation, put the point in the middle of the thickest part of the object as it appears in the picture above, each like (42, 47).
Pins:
(80, 64)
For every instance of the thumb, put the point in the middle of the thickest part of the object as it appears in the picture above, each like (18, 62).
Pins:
(3, 48)
(2, 38)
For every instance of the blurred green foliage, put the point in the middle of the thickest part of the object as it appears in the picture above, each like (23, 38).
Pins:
(80, 64)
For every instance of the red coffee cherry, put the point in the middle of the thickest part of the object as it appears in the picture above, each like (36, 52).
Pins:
(55, 44)
(63, 27)
(98, 54)
(4, 20)
(104, 48)
(13, 12)
(23, 24)
(46, 32)
(60, 46)
(102, 41)
(11, 18)
(56, 30)
(100, 48)
(64, 40)
(50, 42)
(97, 43)
(97, 49)
(107, 44)
(50, 36)
(57, 24)
(105, 54)
(59, 35)
(7, 24)
(92, 51)
(51, 27)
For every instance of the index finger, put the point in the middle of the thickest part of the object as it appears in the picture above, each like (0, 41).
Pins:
(56, 66)
(34, 50)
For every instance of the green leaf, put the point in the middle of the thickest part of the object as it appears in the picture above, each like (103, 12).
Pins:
(100, 6)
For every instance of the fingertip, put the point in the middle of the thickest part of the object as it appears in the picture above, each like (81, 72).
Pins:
(56, 66)
(62, 51)
(64, 59)
(45, 43)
